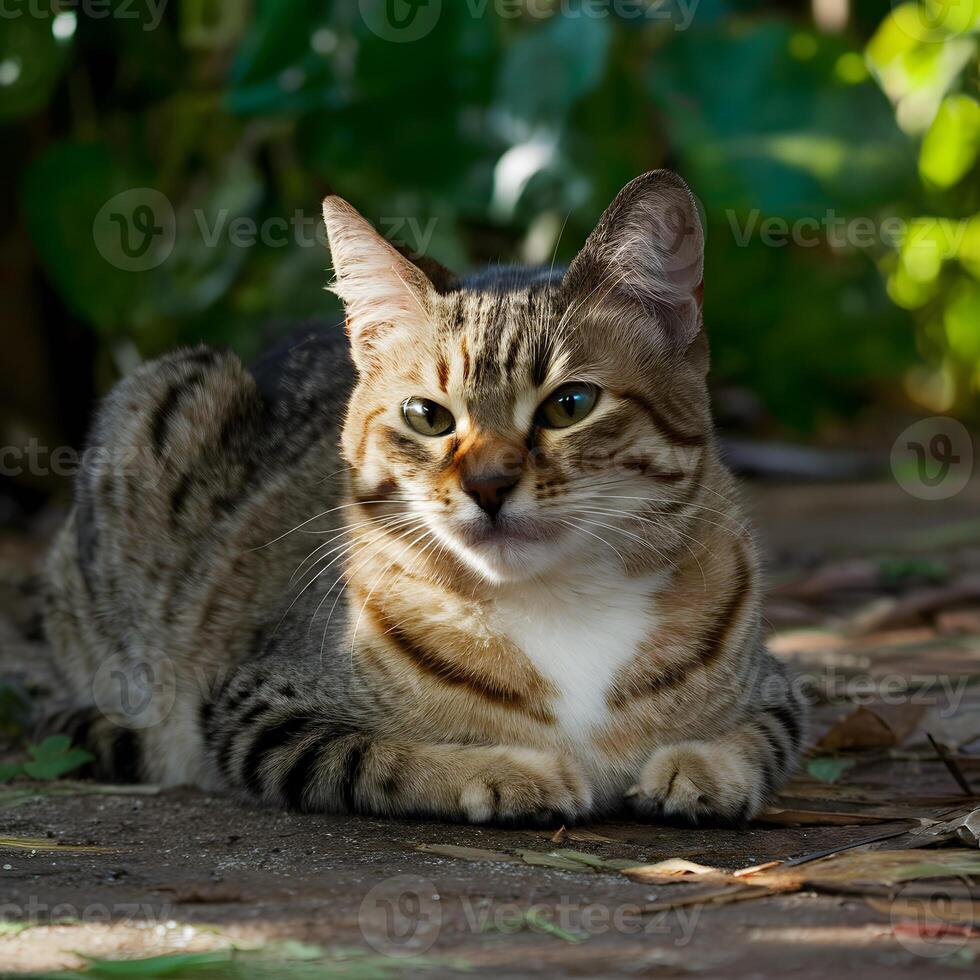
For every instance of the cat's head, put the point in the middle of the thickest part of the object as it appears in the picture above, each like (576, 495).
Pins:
(530, 418)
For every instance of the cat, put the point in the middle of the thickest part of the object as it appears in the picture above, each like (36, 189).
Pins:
(480, 561)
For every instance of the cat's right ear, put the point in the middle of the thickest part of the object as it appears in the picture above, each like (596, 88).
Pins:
(384, 293)
(646, 258)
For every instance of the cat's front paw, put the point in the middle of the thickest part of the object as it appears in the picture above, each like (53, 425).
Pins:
(524, 785)
(697, 782)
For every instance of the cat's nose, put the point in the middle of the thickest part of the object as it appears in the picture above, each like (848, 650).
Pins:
(489, 489)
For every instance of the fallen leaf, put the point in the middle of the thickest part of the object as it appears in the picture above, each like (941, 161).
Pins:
(914, 605)
(874, 726)
(669, 870)
(466, 853)
(829, 768)
(602, 864)
(951, 764)
(875, 868)
(29, 844)
(550, 860)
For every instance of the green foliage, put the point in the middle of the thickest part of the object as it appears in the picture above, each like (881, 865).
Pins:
(487, 134)
(925, 58)
(285, 960)
(53, 758)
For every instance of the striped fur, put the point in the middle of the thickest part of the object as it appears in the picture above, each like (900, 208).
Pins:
(321, 614)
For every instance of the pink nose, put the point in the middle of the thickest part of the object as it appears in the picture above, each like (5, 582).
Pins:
(489, 489)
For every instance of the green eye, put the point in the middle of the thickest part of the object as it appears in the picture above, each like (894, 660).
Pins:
(568, 405)
(427, 418)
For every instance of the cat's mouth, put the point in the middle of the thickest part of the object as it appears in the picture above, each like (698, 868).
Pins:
(504, 531)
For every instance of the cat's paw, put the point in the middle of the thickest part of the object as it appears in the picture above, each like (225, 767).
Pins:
(524, 785)
(697, 782)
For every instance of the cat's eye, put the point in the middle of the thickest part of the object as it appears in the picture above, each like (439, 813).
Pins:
(568, 405)
(427, 418)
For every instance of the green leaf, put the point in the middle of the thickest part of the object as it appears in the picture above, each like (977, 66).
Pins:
(828, 769)
(171, 964)
(537, 920)
(31, 59)
(8, 770)
(465, 853)
(64, 191)
(950, 147)
(52, 746)
(548, 69)
(550, 860)
(54, 757)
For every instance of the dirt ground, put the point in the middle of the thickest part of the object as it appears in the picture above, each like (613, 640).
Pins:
(874, 594)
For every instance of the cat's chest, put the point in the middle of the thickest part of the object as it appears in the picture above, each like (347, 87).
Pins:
(579, 640)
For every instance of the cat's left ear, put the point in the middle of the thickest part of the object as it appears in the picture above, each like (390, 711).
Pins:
(383, 290)
(646, 258)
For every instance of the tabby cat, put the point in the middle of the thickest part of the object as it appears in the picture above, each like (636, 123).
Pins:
(518, 589)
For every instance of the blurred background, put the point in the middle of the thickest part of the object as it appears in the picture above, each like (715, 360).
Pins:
(164, 161)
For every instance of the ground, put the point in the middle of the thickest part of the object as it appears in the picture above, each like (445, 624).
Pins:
(873, 593)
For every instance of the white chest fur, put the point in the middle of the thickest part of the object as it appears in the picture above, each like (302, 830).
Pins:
(578, 635)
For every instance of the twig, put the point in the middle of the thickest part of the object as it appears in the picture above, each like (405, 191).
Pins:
(951, 764)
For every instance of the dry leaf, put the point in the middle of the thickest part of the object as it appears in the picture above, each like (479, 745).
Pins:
(466, 853)
(672, 869)
(875, 726)
(875, 868)
(29, 844)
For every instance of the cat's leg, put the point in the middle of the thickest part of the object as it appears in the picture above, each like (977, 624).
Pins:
(731, 778)
(267, 738)
(134, 563)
